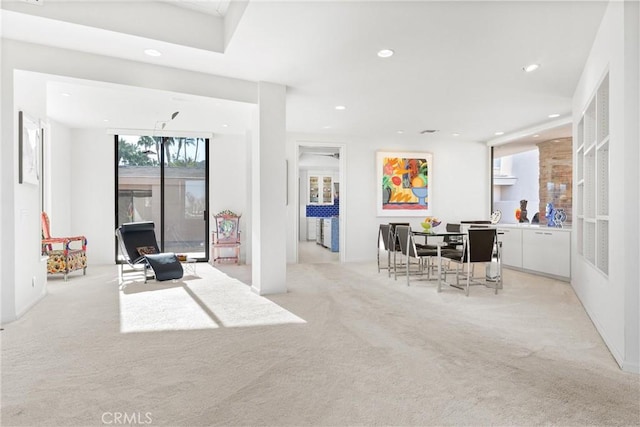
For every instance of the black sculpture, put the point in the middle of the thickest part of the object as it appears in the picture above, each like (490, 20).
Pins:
(523, 211)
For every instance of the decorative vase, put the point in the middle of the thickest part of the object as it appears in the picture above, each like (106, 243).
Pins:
(559, 216)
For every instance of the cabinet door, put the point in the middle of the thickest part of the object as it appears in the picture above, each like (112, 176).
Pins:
(326, 233)
(547, 251)
(511, 246)
(314, 190)
(318, 230)
(311, 228)
(327, 190)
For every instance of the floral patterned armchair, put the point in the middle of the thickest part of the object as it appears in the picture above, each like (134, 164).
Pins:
(62, 257)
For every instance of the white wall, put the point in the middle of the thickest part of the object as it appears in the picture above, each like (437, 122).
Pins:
(93, 193)
(25, 269)
(303, 179)
(461, 187)
(60, 176)
(612, 302)
(228, 181)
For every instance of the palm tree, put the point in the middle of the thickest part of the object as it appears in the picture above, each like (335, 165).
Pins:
(187, 142)
(197, 146)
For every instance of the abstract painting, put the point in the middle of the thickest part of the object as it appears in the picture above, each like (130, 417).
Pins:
(404, 183)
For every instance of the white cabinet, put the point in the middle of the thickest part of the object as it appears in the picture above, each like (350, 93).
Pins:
(311, 228)
(511, 246)
(542, 250)
(320, 189)
(326, 232)
(547, 251)
(318, 230)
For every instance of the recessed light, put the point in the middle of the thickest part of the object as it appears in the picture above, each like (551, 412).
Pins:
(152, 52)
(225, 125)
(65, 95)
(455, 134)
(105, 120)
(531, 67)
(326, 127)
(340, 107)
(399, 131)
(553, 116)
(499, 133)
(536, 135)
(385, 53)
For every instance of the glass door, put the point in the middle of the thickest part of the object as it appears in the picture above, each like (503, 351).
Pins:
(185, 196)
(165, 180)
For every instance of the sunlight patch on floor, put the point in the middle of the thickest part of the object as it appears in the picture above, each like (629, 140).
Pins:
(161, 309)
(207, 300)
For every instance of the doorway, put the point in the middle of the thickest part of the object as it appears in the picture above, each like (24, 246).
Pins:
(321, 216)
(165, 180)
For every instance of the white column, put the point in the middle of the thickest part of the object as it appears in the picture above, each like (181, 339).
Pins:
(8, 176)
(268, 190)
(632, 184)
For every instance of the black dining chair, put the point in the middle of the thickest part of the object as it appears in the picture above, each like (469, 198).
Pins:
(394, 244)
(410, 251)
(384, 242)
(480, 246)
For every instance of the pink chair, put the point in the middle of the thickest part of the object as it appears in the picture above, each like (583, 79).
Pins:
(62, 257)
(226, 235)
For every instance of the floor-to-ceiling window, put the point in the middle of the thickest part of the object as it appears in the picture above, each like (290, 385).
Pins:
(165, 180)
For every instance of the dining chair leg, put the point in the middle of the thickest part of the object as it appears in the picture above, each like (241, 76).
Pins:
(469, 272)
(395, 266)
(499, 281)
(440, 270)
(407, 262)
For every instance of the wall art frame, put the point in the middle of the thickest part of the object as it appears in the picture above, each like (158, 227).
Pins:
(29, 145)
(404, 184)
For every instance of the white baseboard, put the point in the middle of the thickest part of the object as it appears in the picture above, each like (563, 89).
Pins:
(631, 367)
(31, 304)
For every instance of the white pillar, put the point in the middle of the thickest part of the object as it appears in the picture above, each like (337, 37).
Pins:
(268, 191)
(8, 176)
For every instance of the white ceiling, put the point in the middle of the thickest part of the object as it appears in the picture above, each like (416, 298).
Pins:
(85, 104)
(210, 7)
(457, 66)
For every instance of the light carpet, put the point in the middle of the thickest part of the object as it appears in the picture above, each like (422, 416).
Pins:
(345, 346)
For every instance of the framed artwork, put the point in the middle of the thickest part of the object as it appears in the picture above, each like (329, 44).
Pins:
(28, 150)
(404, 183)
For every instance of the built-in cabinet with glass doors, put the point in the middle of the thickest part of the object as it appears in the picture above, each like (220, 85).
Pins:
(592, 174)
(320, 189)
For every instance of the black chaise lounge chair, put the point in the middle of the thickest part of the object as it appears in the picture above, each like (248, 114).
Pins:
(139, 248)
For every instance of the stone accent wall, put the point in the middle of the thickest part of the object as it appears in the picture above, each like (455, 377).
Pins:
(556, 176)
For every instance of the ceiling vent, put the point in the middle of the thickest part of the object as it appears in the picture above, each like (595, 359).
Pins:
(428, 131)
